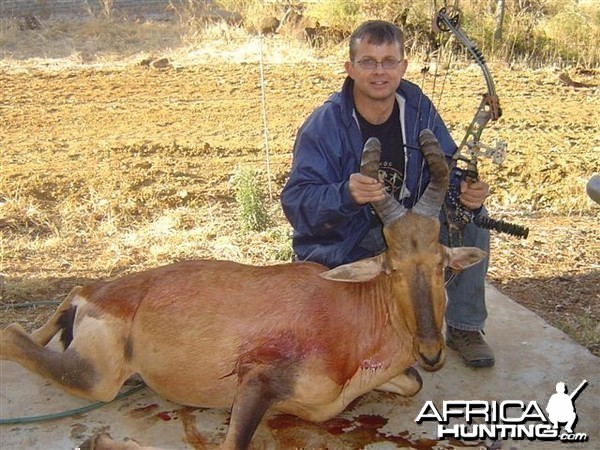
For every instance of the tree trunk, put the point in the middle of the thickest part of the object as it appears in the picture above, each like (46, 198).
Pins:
(499, 20)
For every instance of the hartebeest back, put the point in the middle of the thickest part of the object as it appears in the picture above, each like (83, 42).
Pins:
(294, 337)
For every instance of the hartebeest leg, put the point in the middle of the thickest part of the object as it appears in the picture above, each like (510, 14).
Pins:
(103, 441)
(258, 390)
(46, 332)
(407, 384)
(76, 374)
(249, 406)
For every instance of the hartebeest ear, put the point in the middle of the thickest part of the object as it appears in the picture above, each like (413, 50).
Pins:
(356, 272)
(459, 258)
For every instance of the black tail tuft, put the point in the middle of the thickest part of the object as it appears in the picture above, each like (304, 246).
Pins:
(65, 322)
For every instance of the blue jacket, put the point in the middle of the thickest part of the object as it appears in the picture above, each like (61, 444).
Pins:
(329, 227)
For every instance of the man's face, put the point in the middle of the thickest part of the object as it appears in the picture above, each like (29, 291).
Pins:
(376, 84)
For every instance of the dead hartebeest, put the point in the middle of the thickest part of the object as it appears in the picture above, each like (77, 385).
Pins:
(296, 337)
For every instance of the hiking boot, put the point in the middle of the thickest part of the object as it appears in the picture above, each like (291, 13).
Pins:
(471, 346)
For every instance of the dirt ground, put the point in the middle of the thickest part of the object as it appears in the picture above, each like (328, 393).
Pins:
(109, 169)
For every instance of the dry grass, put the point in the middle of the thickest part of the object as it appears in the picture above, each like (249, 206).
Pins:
(119, 42)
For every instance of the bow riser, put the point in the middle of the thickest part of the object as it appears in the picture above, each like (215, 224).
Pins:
(471, 149)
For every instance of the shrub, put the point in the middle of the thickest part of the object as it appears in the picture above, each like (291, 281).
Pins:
(251, 199)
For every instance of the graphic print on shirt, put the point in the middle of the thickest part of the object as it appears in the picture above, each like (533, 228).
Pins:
(392, 178)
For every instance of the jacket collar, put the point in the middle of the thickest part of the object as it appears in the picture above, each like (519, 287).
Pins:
(347, 101)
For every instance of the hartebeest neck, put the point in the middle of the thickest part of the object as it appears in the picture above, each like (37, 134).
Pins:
(377, 314)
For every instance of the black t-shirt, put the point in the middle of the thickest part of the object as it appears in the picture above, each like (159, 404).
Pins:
(389, 133)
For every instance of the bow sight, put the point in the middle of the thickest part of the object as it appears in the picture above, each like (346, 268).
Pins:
(464, 163)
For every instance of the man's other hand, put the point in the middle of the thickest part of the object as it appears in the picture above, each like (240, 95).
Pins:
(473, 194)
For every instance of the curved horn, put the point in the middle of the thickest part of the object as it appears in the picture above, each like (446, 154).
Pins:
(388, 209)
(431, 201)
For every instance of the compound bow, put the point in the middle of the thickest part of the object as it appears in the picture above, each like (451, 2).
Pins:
(464, 162)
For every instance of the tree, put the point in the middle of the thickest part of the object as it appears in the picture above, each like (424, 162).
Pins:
(499, 19)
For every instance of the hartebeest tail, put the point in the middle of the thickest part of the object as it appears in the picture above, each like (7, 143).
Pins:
(295, 337)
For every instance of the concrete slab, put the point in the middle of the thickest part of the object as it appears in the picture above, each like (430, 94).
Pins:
(531, 356)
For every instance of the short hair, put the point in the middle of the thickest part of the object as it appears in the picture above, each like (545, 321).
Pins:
(377, 32)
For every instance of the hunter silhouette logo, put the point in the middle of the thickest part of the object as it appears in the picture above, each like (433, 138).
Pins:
(508, 419)
(560, 406)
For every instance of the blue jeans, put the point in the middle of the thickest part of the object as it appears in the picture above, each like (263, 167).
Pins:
(466, 308)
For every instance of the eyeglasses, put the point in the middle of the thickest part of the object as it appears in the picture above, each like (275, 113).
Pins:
(371, 64)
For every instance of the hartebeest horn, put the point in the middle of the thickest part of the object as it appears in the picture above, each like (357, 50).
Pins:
(388, 209)
(431, 201)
